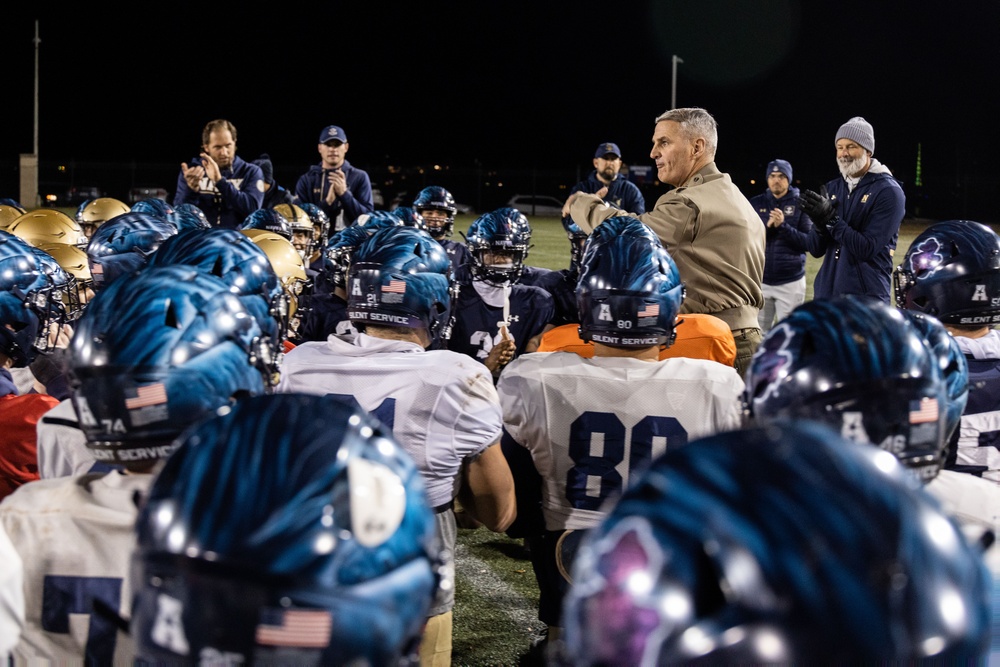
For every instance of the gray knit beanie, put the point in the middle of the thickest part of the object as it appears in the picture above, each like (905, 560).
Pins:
(858, 130)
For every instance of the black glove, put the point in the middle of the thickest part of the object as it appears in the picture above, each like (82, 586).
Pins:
(819, 206)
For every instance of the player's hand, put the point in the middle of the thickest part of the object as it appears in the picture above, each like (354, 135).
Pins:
(502, 352)
(211, 168)
(338, 182)
(193, 175)
(59, 336)
(818, 206)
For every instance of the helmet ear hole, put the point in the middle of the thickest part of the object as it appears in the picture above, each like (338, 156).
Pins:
(171, 320)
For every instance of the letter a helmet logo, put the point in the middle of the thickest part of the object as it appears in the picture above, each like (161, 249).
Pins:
(605, 313)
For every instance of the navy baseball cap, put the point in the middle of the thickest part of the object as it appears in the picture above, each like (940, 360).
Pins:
(332, 133)
(609, 147)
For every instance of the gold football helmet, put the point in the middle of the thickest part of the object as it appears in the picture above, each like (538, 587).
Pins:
(96, 212)
(73, 261)
(287, 263)
(47, 225)
(9, 214)
(303, 230)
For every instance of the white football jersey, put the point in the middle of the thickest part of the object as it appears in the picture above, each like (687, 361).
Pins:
(974, 503)
(75, 536)
(62, 447)
(592, 425)
(11, 596)
(441, 406)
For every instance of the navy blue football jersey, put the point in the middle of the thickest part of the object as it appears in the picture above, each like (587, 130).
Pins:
(975, 443)
(458, 252)
(326, 314)
(561, 285)
(475, 330)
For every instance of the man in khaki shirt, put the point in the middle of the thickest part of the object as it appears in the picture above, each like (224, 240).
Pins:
(707, 225)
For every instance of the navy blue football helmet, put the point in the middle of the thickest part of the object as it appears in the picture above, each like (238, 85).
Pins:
(859, 366)
(186, 218)
(235, 259)
(153, 206)
(411, 217)
(123, 244)
(436, 198)
(577, 242)
(337, 255)
(195, 211)
(629, 291)
(401, 277)
(952, 271)
(24, 296)
(951, 360)
(776, 545)
(154, 353)
(498, 242)
(268, 220)
(290, 529)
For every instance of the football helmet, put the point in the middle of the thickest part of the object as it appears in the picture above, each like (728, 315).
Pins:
(47, 225)
(859, 366)
(776, 545)
(74, 262)
(303, 230)
(124, 244)
(154, 206)
(187, 219)
(191, 209)
(498, 243)
(289, 266)
(951, 360)
(577, 241)
(321, 223)
(58, 295)
(270, 220)
(9, 214)
(400, 276)
(235, 259)
(952, 271)
(316, 546)
(411, 217)
(337, 255)
(435, 198)
(629, 291)
(155, 353)
(93, 213)
(24, 309)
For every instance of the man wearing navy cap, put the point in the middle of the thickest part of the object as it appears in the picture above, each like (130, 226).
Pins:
(343, 192)
(787, 232)
(606, 182)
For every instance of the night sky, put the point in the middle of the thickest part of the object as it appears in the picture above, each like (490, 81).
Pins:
(513, 84)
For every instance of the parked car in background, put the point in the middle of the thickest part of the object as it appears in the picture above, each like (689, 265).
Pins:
(148, 192)
(78, 194)
(537, 205)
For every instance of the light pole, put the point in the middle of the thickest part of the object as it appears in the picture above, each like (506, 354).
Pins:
(673, 82)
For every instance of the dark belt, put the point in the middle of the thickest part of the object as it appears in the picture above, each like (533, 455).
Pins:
(444, 508)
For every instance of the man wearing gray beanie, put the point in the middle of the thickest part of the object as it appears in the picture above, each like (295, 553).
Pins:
(856, 219)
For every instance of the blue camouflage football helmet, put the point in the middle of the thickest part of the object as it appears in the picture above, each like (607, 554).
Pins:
(411, 217)
(154, 353)
(952, 271)
(340, 247)
(498, 242)
(290, 529)
(951, 360)
(400, 277)
(268, 220)
(24, 294)
(859, 366)
(577, 242)
(436, 198)
(776, 545)
(629, 291)
(235, 259)
(185, 218)
(123, 244)
(154, 206)
(192, 209)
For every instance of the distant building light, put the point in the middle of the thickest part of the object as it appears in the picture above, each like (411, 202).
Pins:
(437, 167)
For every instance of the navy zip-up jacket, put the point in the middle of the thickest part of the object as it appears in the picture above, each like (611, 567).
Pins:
(785, 246)
(621, 192)
(228, 202)
(858, 245)
(313, 185)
